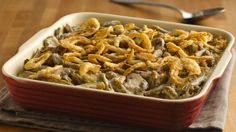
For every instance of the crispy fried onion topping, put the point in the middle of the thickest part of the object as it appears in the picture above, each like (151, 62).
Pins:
(82, 53)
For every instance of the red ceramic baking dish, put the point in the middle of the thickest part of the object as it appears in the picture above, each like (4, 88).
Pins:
(116, 107)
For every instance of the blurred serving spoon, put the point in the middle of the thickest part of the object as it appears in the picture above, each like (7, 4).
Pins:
(187, 16)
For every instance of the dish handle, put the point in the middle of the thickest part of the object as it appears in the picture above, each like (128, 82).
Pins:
(218, 72)
(28, 42)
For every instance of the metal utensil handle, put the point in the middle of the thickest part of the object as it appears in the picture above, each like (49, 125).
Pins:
(150, 3)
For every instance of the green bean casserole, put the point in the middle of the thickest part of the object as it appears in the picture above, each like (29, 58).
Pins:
(123, 57)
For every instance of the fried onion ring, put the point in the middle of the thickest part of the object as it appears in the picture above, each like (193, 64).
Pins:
(37, 61)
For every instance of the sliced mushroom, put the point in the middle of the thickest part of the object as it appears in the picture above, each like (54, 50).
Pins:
(158, 53)
(58, 33)
(135, 83)
(51, 40)
(76, 78)
(67, 28)
(56, 59)
(158, 43)
(66, 72)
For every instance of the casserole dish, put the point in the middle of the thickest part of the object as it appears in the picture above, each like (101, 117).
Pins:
(123, 108)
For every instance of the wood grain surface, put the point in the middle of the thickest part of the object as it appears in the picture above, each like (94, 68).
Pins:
(20, 19)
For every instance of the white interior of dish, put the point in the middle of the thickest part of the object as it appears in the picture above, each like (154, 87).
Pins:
(14, 65)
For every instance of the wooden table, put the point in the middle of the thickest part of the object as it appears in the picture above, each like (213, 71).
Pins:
(20, 19)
